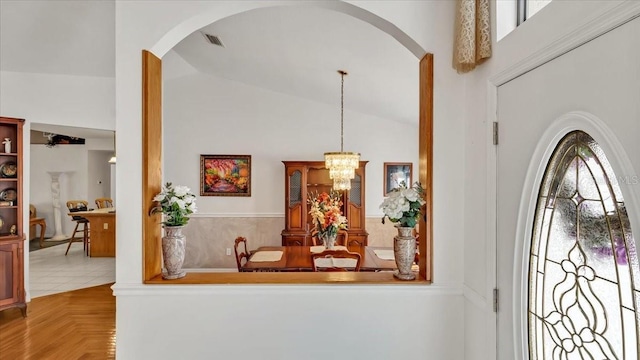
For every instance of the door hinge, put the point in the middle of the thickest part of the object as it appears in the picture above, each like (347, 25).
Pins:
(495, 133)
(495, 300)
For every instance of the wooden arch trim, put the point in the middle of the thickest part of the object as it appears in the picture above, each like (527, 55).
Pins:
(152, 184)
(425, 169)
(151, 163)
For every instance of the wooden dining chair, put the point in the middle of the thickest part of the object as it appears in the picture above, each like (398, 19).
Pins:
(242, 255)
(103, 202)
(75, 206)
(335, 260)
(34, 220)
(341, 239)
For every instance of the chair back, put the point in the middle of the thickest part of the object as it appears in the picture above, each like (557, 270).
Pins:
(242, 255)
(335, 260)
(32, 211)
(102, 203)
(341, 239)
(77, 205)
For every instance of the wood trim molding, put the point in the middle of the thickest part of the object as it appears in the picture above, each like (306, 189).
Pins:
(152, 184)
(425, 168)
(151, 162)
(290, 278)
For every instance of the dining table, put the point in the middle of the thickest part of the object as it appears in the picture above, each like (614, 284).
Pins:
(298, 258)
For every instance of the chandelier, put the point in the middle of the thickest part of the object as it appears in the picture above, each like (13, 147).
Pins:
(341, 164)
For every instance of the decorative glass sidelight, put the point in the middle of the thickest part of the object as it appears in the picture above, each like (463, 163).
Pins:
(584, 280)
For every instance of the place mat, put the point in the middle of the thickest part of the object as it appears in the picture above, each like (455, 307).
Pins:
(264, 256)
(321, 248)
(384, 254)
(335, 262)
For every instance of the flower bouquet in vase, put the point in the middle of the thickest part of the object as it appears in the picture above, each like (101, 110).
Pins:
(327, 217)
(176, 204)
(403, 206)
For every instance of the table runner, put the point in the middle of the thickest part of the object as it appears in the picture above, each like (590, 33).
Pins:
(264, 256)
(321, 248)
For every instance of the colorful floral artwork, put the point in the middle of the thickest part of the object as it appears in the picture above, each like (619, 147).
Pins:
(225, 175)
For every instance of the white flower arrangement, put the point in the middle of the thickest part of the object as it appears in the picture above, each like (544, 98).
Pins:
(403, 205)
(176, 203)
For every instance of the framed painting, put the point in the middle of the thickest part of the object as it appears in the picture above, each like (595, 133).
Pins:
(225, 175)
(396, 174)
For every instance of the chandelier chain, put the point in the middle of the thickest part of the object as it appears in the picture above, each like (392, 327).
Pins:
(341, 165)
(342, 111)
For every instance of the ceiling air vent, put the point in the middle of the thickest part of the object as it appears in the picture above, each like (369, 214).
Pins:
(212, 39)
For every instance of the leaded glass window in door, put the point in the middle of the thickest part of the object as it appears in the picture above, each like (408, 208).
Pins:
(584, 282)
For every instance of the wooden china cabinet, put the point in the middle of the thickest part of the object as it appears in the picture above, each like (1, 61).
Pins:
(308, 177)
(12, 292)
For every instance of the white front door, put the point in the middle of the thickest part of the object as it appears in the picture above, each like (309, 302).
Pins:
(513, 154)
(529, 105)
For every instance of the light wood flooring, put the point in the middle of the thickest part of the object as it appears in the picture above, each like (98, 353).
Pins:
(77, 324)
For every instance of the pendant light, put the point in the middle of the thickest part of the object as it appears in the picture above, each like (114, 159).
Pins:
(113, 158)
(341, 164)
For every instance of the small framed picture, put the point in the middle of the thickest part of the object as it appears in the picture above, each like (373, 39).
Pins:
(225, 175)
(396, 174)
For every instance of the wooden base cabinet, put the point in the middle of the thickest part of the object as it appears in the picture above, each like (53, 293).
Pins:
(12, 275)
(303, 178)
(11, 231)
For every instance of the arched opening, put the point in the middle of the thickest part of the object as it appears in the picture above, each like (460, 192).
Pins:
(152, 139)
(584, 278)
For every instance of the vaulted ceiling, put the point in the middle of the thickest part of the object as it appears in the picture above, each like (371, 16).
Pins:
(293, 50)
(298, 51)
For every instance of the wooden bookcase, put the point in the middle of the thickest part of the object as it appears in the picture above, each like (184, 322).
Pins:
(308, 177)
(12, 292)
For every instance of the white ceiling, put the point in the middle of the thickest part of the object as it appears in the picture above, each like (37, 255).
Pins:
(298, 50)
(293, 50)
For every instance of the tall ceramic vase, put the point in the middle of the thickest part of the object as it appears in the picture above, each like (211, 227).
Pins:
(404, 249)
(328, 239)
(173, 250)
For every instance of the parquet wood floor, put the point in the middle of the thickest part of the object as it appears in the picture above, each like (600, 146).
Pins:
(77, 324)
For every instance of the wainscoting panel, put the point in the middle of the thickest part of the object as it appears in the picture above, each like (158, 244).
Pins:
(208, 238)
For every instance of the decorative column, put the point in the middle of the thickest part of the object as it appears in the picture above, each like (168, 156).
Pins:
(55, 197)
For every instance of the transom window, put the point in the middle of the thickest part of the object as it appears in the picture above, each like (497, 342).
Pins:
(510, 14)
(584, 282)
(528, 8)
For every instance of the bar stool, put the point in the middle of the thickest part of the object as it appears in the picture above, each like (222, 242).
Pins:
(75, 206)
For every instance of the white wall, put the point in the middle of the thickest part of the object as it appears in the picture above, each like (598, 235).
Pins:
(428, 321)
(81, 101)
(219, 116)
(112, 185)
(98, 175)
